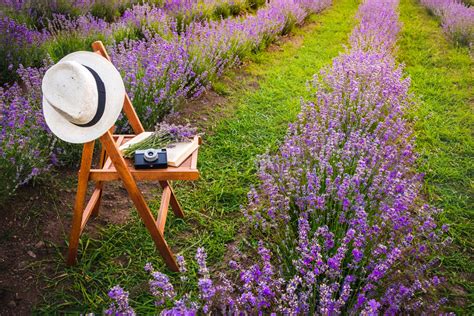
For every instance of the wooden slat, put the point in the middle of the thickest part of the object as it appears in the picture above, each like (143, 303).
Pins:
(144, 175)
(99, 185)
(194, 155)
(178, 211)
(99, 48)
(107, 165)
(132, 116)
(118, 140)
(84, 172)
(128, 109)
(164, 206)
(90, 207)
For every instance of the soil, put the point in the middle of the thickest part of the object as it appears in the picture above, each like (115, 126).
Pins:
(36, 225)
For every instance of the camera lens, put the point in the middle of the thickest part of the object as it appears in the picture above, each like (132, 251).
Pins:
(150, 155)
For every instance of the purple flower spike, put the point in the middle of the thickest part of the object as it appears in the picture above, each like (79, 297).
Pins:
(120, 305)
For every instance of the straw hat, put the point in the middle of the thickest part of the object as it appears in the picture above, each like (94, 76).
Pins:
(83, 96)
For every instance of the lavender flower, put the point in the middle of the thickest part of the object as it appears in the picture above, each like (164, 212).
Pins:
(182, 268)
(120, 306)
(160, 286)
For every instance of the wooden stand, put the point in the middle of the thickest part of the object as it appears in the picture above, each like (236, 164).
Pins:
(114, 167)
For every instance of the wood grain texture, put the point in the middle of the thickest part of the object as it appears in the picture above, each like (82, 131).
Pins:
(82, 180)
(163, 211)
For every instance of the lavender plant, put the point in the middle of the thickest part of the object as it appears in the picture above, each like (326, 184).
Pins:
(341, 195)
(314, 6)
(120, 305)
(27, 148)
(18, 45)
(342, 198)
(186, 11)
(168, 66)
(457, 19)
(67, 26)
(376, 33)
(347, 231)
(219, 295)
(157, 74)
(72, 34)
(149, 17)
(38, 12)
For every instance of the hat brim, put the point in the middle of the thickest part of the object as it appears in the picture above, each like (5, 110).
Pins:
(115, 94)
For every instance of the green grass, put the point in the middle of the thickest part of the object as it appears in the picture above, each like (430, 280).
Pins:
(443, 80)
(252, 121)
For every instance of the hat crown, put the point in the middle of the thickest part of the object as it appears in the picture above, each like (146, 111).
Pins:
(70, 88)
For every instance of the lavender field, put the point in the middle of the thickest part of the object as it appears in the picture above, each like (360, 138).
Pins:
(336, 168)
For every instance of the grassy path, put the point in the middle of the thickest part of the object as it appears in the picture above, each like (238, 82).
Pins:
(443, 79)
(255, 120)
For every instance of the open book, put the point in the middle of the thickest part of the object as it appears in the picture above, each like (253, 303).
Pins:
(177, 153)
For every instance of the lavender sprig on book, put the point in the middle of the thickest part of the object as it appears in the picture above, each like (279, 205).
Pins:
(165, 135)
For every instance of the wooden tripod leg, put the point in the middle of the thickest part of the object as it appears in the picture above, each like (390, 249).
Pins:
(138, 199)
(82, 181)
(178, 211)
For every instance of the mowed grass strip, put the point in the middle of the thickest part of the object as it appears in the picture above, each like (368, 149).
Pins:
(442, 77)
(255, 120)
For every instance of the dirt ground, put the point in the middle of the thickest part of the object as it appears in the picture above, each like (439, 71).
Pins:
(35, 227)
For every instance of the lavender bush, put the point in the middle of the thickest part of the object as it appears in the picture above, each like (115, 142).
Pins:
(342, 197)
(339, 205)
(27, 149)
(18, 45)
(341, 194)
(158, 74)
(314, 6)
(149, 17)
(169, 65)
(38, 12)
(187, 11)
(73, 25)
(67, 34)
(457, 19)
(375, 33)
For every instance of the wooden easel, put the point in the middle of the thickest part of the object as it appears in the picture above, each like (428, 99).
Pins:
(113, 167)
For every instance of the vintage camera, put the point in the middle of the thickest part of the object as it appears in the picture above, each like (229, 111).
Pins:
(151, 159)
